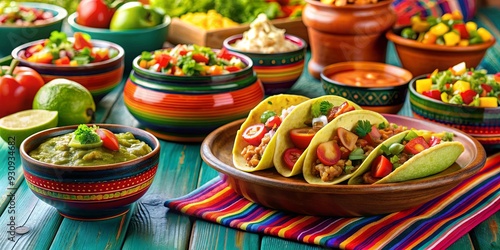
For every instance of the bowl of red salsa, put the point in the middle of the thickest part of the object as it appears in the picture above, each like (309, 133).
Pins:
(185, 92)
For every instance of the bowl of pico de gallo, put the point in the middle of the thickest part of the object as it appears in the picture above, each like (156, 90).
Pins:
(185, 92)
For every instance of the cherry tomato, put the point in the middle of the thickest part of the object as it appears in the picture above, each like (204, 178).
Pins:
(468, 96)
(94, 13)
(328, 153)
(433, 93)
(274, 121)
(109, 139)
(290, 157)
(13, 94)
(347, 138)
(200, 58)
(381, 167)
(301, 137)
(416, 145)
(254, 134)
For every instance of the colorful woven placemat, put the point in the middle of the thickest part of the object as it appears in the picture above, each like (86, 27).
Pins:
(435, 224)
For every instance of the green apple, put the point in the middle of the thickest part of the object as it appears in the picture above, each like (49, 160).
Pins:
(135, 15)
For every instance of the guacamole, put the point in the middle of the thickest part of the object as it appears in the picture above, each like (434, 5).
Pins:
(57, 151)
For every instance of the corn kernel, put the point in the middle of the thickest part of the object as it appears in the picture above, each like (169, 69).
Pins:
(463, 43)
(451, 38)
(484, 34)
(444, 97)
(470, 26)
(447, 16)
(488, 102)
(439, 29)
(423, 85)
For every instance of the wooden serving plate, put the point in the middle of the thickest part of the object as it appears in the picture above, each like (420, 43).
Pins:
(272, 190)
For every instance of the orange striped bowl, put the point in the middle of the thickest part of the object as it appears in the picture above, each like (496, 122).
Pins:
(278, 71)
(99, 78)
(187, 108)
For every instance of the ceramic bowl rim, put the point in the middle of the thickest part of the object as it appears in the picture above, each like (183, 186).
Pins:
(349, 6)
(398, 40)
(56, 131)
(120, 56)
(365, 65)
(72, 22)
(61, 14)
(421, 96)
(227, 43)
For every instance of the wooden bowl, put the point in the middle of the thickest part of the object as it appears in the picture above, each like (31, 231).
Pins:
(375, 86)
(94, 192)
(278, 72)
(421, 58)
(270, 189)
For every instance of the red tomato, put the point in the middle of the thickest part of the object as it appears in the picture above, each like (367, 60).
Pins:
(232, 68)
(94, 13)
(468, 96)
(290, 156)
(347, 138)
(163, 60)
(328, 153)
(434, 141)
(109, 139)
(273, 122)
(416, 145)
(433, 93)
(460, 27)
(486, 89)
(301, 137)
(200, 58)
(373, 136)
(62, 61)
(381, 167)
(12, 94)
(224, 54)
(254, 134)
(81, 42)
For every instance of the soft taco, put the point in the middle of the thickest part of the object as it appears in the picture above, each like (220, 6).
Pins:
(255, 142)
(408, 156)
(344, 145)
(299, 128)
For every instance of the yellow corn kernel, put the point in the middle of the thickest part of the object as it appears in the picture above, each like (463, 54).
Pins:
(459, 69)
(461, 86)
(457, 15)
(470, 26)
(73, 63)
(451, 38)
(444, 97)
(484, 34)
(143, 63)
(446, 17)
(439, 29)
(488, 102)
(423, 85)
(463, 43)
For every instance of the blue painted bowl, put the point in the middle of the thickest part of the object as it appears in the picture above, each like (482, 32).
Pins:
(94, 192)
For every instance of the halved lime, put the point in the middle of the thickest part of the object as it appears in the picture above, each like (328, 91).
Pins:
(16, 127)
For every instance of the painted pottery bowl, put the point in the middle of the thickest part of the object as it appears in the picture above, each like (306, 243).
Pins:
(481, 123)
(346, 33)
(293, 194)
(134, 42)
(421, 58)
(14, 35)
(278, 72)
(375, 86)
(187, 108)
(99, 78)
(90, 192)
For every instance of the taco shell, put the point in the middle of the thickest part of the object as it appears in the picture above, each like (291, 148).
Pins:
(347, 121)
(276, 103)
(297, 119)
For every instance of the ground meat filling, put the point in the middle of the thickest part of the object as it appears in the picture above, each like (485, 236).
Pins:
(253, 154)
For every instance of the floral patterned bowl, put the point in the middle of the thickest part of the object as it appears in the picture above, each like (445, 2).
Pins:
(277, 71)
(99, 78)
(481, 123)
(375, 86)
(187, 108)
(93, 192)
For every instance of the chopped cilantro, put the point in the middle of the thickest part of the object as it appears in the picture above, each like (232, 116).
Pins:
(321, 108)
(86, 135)
(363, 127)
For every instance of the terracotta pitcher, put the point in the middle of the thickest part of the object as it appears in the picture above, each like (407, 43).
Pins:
(347, 33)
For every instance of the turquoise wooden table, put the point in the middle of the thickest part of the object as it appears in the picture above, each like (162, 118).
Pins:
(28, 223)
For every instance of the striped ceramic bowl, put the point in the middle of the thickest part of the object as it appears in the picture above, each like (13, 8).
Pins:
(99, 78)
(187, 108)
(90, 192)
(481, 123)
(277, 71)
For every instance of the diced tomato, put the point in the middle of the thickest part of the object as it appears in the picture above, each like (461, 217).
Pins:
(460, 27)
(373, 136)
(254, 134)
(301, 137)
(468, 96)
(232, 68)
(81, 42)
(328, 153)
(433, 93)
(41, 57)
(273, 122)
(101, 54)
(62, 61)
(434, 140)
(290, 157)
(416, 145)
(109, 139)
(343, 108)
(347, 138)
(486, 89)
(200, 58)
(163, 60)
(224, 54)
(381, 167)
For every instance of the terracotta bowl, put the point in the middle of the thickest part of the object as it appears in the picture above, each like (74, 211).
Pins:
(346, 33)
(99, 78)
(375, 86)
(278, 72)
(481, 123)
(14, 35)
(188, 108)
(134, 42)
(94, 192)
(421, 58)
(294, 194)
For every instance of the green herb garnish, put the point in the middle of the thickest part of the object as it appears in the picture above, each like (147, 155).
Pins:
(321, 108)
(363, 127)
(86, 135)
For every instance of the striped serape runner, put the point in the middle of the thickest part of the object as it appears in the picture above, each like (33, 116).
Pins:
(435, 224)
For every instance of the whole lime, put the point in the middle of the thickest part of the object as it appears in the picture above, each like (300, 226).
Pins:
(71, 100)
